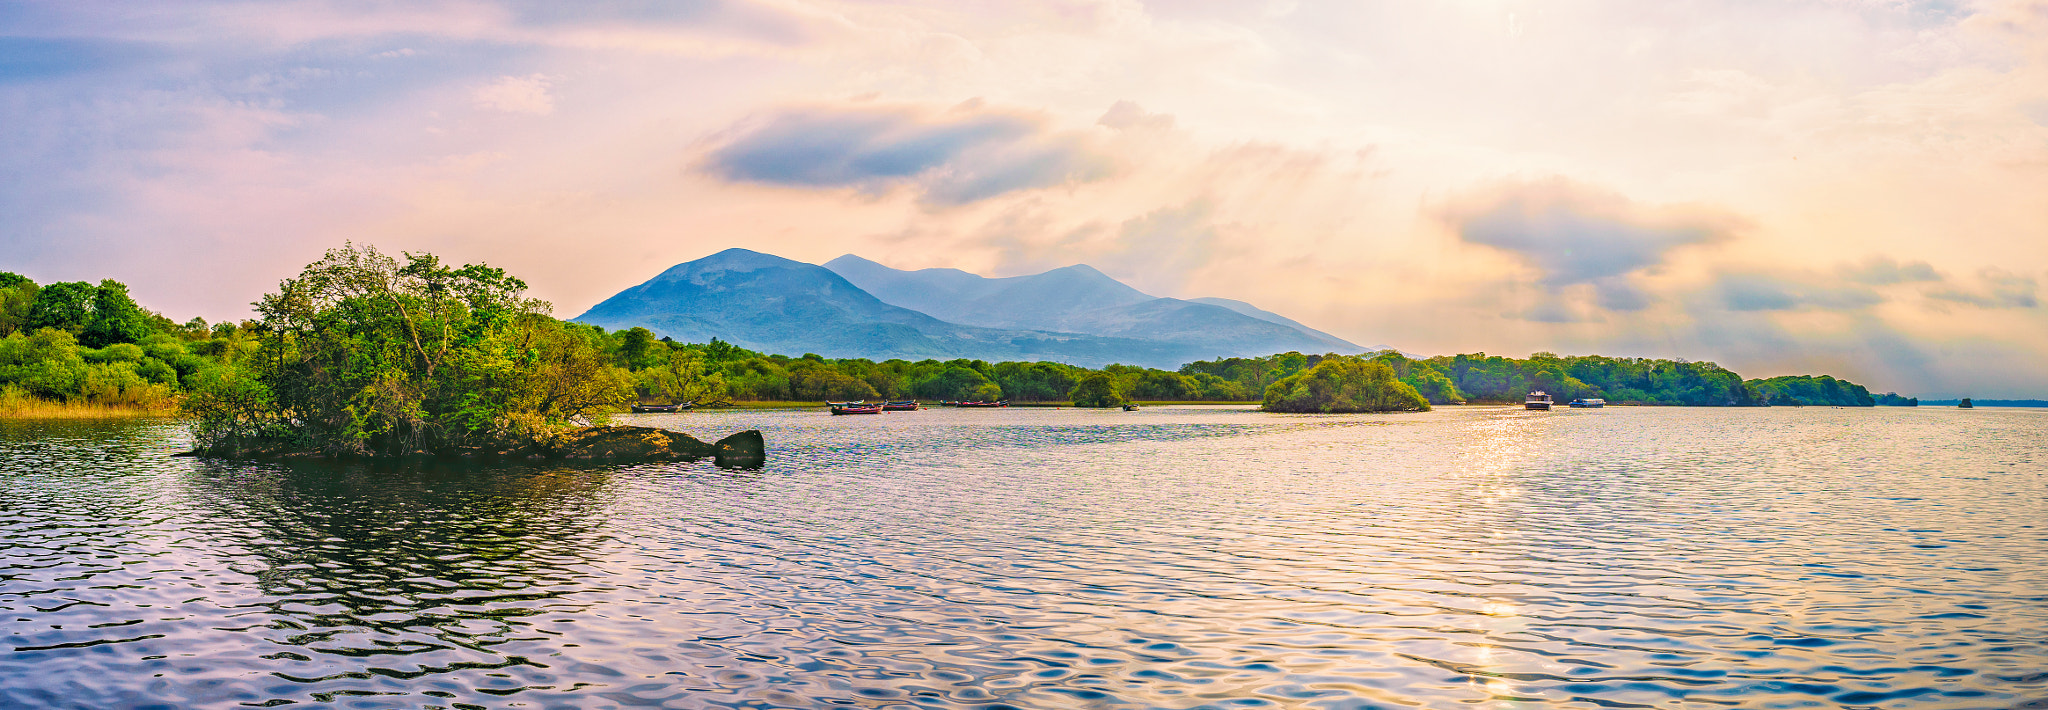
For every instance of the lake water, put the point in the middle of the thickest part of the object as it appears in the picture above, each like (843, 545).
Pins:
(1193, 557)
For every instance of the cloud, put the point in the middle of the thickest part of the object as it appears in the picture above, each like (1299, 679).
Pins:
(1578, 234)
(1884, 271)
(963, 155)
(1751, 291)
(1160, 248)
(2001, 289)
(1126, 115)
(517, 94)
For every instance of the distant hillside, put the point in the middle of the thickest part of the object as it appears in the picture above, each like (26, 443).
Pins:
(768, 303)
(1080, 299)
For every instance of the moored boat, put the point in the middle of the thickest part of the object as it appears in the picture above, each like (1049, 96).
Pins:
(660, 408)
(855, 403)
(1538, 400)
(1593, 403)
(984, 405)
(858, 409)
(1130, 407)
(904, 406)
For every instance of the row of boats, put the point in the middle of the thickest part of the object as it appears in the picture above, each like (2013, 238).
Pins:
(1543, 401)
(908, 405)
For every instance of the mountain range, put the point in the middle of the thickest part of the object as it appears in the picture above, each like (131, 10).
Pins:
(853, 307)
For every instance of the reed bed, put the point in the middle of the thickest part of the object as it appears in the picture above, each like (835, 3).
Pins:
(17, 404)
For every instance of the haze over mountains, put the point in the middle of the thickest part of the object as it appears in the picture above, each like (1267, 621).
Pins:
(853, 307)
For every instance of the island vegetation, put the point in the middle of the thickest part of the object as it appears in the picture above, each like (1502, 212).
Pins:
(365, 353)
(1342, 384)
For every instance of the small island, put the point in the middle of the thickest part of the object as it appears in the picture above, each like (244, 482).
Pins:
(362, 356)
(1343, 385)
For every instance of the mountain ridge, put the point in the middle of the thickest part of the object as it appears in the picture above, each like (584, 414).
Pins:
(1074, 314)
(768, 303)
(1082, 299)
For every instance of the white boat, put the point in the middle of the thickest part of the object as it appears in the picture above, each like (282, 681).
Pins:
(1538, 400)
(1592, 403)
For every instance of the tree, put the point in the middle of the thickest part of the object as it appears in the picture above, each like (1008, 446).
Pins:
(638, 348)
(115, 318)
(1097, 389)
(65, 305)
(17, 297)
(362, 355)
(958, 382)
(1344, 384)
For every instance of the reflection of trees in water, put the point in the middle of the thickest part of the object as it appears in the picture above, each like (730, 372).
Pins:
(443, 564)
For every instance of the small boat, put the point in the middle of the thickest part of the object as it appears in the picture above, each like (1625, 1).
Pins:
(1538, 400)
(1130, 407)
(660, 408)
(984, 405)
(858, 409)
(1594, 403)
(1966, 404)
(855, 403)
(904, 406)
(949, 403)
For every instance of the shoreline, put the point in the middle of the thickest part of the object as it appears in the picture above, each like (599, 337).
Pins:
(780, 404)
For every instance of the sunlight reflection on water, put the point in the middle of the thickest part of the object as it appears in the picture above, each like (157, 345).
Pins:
(1172, 557)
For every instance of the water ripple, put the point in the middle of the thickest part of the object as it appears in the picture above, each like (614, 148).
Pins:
(1170, 558)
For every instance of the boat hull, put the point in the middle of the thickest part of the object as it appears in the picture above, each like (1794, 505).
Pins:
(660, 408)
(1543, 406)
(856, 410)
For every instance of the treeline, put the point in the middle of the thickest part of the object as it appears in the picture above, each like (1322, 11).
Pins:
(355, 317)
(75, 342)
(1478, 377)
(1988, 402)
(665, 370)
(1823, 391)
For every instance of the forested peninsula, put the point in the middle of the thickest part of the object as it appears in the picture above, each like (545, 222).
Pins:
(371, 355)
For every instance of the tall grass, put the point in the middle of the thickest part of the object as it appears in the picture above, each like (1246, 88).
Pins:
(135, 401)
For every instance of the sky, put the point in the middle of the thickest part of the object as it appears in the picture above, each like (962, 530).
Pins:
(1847, 187)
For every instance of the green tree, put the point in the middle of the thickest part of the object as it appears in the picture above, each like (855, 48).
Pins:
(115, 318)
(818, 381)
(17, 297)
(65, 305)
(639, 349)
(1096, 389)
(958, 382)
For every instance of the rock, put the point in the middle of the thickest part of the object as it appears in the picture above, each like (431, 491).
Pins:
(630, 443)
(612, 444)
(742, 450)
